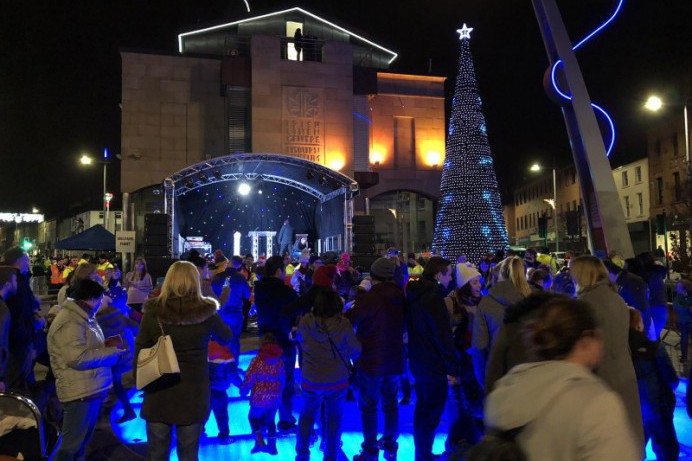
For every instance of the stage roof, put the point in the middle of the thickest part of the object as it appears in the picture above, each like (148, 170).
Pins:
(317, 180)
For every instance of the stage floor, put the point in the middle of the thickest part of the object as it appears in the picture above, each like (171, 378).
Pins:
(133, 433)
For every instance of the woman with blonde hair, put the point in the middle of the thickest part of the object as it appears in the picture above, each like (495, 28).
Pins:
(138, 284)
(612, 314)
(511, 288)
(181, 401)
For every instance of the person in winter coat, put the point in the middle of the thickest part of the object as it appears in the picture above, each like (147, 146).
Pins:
(378, 317)
(657, 380)
(328, 344)
(271, 297)
(616, 369)
(632, 288)
(509, 349)
(266, 378)
(465, 401)
(655, 275)
(25, 324)
(285, 237)
(565, 412)
(81, 362)
(180, 401)
(682, 303)
(511, 288)
(8, 285)
(433, 358)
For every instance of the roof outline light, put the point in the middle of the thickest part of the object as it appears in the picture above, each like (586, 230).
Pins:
(276, 13)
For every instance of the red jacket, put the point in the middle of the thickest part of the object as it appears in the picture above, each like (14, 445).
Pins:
(266, 377)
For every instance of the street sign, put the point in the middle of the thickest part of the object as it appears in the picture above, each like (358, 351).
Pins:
(125, 242)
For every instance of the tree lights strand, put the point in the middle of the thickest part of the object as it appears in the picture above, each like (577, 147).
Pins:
(568, 97)
(470, 219)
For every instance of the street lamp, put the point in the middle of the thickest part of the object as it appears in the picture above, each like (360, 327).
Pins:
(535, 168)
(86, 160)
(654, 104)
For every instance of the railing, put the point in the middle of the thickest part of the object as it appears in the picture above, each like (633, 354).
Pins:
(305, 49)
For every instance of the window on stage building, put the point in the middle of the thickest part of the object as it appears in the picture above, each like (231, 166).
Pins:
(403, 219)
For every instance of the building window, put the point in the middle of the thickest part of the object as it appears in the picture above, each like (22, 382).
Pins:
(518, 224)
(659, 191)
(675, 143)
(625, 179)
(627, 206)
(678, 189)
(640, 200)
(573, 171)
(637, 175)
(657, 147)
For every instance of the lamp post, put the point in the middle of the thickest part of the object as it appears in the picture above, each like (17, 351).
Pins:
(535, 168)
(654, 104)
(86, 160)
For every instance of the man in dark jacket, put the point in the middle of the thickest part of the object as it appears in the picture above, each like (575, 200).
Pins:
(8, 285)
(272, 295)
(434, 362)
(378, 317)
(24, 323)
(285, 238)
(632, 288)
(232, 300)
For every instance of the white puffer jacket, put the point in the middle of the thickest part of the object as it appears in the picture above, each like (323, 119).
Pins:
(80, 361)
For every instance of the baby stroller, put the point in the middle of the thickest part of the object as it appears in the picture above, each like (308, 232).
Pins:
(23, 434)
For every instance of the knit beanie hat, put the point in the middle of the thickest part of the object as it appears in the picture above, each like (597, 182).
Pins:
(465, 274)
(324, 276)
(383, 268)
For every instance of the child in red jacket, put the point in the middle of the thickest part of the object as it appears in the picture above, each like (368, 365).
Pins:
(266, 378)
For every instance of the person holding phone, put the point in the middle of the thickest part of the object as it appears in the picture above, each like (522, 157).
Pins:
(81, 362)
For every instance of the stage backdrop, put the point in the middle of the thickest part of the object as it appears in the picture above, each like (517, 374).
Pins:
(217, 211)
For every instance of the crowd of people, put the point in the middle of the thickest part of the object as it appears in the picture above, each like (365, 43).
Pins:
(564, 361)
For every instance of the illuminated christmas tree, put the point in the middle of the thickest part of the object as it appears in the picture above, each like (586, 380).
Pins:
(470, 219)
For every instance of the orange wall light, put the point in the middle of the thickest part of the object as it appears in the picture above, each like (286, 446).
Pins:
(336, 163)
(376, 157)
(433, 158)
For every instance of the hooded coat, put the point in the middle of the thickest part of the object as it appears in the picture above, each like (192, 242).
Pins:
(323, 368)
(488, 320)
(191, 323)
(616, 368)
(430, 342)
(567, 414)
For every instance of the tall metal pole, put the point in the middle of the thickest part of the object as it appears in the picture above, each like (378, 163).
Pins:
(557, 237)
(103, 197)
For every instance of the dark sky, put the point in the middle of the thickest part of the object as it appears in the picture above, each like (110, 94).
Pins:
(60, 74)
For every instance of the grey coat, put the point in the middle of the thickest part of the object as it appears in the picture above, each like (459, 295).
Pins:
(80, 361)
(616, 368)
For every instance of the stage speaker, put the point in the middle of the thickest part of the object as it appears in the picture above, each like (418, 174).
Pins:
(156, 250)
(156, 218)
(363, 238)
(363, 219)
(363, 248)
(157, 266)
(364, 261)
(156, 229)
(363, 229)
(155, 240)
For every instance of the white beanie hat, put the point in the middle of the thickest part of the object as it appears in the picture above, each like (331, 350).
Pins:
(465, 274)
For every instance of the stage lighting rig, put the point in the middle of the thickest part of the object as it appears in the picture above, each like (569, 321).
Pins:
(217, 174)
(322, 180)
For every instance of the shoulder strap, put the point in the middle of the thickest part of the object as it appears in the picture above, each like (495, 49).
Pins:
(335, 350)
(160, 326)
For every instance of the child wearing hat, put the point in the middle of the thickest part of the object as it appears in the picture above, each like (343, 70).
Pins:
(266, 378)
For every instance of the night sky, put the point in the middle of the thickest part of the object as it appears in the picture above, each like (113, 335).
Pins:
(60, 74)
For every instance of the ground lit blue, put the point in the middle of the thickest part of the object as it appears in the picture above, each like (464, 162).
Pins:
(134, 431)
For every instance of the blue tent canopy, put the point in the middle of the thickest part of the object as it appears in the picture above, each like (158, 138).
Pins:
(94, 238)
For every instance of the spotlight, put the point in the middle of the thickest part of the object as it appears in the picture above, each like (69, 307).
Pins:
(217, 174)
(322, 180)
(203, 177)
(189, 183)
(310, 174)
(335, 185)
(244, 188)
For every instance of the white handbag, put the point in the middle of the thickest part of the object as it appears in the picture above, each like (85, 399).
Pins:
(154, 362)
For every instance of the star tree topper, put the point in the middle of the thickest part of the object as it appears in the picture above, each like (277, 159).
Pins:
(464, 32)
